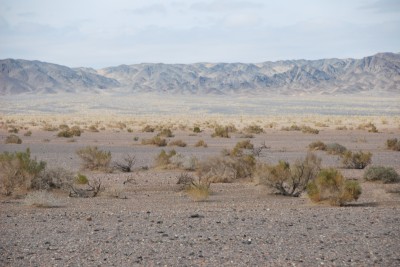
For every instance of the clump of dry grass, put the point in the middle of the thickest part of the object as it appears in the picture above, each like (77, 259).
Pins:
(179, 143)
(94, 159)
(393, 144)
(13, 139)
(356, 160)
(156, 140)
(201, 143)
(198, 190)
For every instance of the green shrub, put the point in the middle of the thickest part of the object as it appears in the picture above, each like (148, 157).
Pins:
(94, 159)
(289, 180)
(18, 170)
(393, 144)
(156, 140)
(69, 132)
(13, 139)
(179, 143)
(317, 145)
(196, 129)
(335, 149)
(330, 186)
(201, 143)
(81, 179)
(380, 173)
(356, 160)
(65, 133)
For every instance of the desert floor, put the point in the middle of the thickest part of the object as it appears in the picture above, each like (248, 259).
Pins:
(152, 222)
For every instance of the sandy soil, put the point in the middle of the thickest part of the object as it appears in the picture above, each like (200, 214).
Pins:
(241, 224)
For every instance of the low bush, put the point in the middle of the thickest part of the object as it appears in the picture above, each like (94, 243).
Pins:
(393, 144)
(308, 129)
(368, 126)
(253, 129)
(288, 180)
(179, 143)
(81, 179)
(380, 173)
(148, 129)
(163, 158)
(226, 169)
(28, 133)
(165, 133)
(198, 190)
(18, 170)
(356, 160)
(94, 159)
(69, 132)
(335, 149)
(201, 143)
(196, 129)
(126, 165)
(317, 145)
(330, 186)
(221, 131)
(156, 140)
(185, 180)
(294, 127)
(239, 147)
(13, 139)
(57, 178)
(93, 129)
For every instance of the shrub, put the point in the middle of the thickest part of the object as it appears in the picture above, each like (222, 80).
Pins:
(28, 133)
(196, 129)
(356, 160)
(57, 178)
(289, 180)
(163, 159)
(317, 145)
(165, 133)
(335, 149)
(65, 133)
(308, 129)
(69, 132)
(201, 143)
(393, 144)
(331, 186)
(179, 143)
(94, 159)
(185, 180)
(18, 170)
(156, 140)
(93, 129)
(13, 130)
(41, 199)
(198, 190)
(148, 129)
(81, 179)
(368, 126)
(253, 129)
(380, 173)
(126, 165)
(221, 131)
(225, 169)
(13, 139)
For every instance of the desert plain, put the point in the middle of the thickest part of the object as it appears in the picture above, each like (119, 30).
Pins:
(144, 218)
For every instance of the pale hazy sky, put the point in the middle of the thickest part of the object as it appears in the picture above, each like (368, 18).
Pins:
(96, 33)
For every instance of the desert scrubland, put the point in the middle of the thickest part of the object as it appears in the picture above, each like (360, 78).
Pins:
(109, 195)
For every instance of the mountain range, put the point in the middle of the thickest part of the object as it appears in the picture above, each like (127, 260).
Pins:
(377, 74)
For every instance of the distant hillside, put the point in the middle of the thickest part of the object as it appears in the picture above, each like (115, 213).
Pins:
(374, 74)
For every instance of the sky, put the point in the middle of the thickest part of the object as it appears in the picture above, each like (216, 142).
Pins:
(97, 33)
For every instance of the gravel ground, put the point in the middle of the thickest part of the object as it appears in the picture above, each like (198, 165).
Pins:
(239, 225)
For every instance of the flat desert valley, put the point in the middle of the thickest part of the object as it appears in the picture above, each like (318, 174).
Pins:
(145, 218)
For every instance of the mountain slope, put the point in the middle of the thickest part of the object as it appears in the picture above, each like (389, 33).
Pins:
(377, 74)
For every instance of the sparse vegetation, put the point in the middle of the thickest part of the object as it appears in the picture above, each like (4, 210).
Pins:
(163, 158)
(185, 180)
(393, 144)
(201, 143)
(368, 126)
(196, 129)
(198, 190)
(304, 129)
(69, 132)
(356, 160)
(13, 139)
(317, 145)
(253, 129)
(335, 149)
(94, 159)
(156, 140)
(81, 179)
(221, 131)
(380, 173)
(289, 180)
(28, 133)
(330, 186)
(148, 129)
(165, 133)
(18, 170)
(57, 178)
(126, 165)
(179, 143)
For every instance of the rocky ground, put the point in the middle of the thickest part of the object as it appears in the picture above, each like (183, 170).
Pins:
(241, 224)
